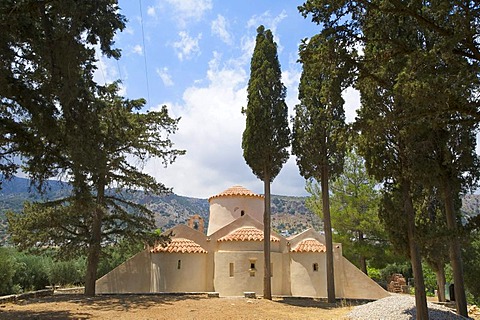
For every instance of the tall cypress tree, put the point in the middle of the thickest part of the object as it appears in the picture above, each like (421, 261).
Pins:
(267, 135)
(319, 128)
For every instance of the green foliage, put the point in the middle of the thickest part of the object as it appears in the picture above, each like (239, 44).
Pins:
(47, 73)
(32, 271)
(8, 265)
(374, 273)
(354, 210)
(319, 129)
(471, 256)
(23, 271)
(91, 216)
(267, 135)
(67, 272)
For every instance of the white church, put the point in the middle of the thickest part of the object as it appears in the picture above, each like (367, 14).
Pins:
(228, 258)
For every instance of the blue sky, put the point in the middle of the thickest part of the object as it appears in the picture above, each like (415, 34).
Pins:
(196, 56)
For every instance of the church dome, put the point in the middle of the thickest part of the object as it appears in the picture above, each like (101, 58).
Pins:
(236, 191)
(231, 204)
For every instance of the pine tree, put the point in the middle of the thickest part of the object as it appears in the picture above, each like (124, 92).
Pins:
(98, 211)
(267, 135)
(355, 198)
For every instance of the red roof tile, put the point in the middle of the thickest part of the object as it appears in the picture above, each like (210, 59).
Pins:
(180, 245)
(236, 191)
(309, 245)
(247, 234)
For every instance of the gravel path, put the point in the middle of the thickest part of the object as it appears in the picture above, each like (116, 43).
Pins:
(399, 307)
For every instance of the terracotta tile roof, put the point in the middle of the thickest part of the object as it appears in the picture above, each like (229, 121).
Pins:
(247, 234)
(309, 245)
(180, 245)
(236, 191)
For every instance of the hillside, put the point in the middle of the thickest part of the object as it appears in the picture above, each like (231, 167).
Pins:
(289, 214)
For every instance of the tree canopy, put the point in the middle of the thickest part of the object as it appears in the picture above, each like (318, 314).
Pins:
(65, 125)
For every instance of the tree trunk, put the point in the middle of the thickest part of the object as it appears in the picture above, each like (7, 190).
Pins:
(440, 275)
(327, 226)
(362, 259)
(267, 283)
(420, 295)
(94, 249)
(455, 251)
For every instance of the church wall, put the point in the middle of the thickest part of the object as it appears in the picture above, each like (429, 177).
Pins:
(179, 272)
(134, 275)
(224, 210)
(305, 281)
(357, 285)
(234, 276)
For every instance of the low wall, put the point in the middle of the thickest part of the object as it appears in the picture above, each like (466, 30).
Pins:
(26, 295)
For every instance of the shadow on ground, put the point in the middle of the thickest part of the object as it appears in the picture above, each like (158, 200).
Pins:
(41, 315)
(103, 303)
(319, 303)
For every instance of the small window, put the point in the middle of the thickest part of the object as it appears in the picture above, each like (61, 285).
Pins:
(252, 267)
(242, 213)
(315, 267)
(231, 269)
(179, 264)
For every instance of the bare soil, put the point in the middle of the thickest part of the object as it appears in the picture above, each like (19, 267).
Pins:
(171, 307)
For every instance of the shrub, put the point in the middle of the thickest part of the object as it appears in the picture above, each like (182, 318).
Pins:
(8, 265)
(31, 272)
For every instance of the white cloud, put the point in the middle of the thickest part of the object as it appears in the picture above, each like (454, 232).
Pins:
(151, 11)
(108, 71)
(247, 42)
(187, 46)
(138, 49)
(219, 27)
(165, 76)
(210, 130)
(352, 103)
(267, 20)
(184, 11)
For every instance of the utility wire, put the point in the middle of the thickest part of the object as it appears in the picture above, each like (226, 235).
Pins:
(144, 52)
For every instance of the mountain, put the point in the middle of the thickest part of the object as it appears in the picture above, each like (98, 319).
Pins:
(289, 214)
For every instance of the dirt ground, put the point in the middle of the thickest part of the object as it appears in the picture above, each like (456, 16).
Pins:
(170, 307)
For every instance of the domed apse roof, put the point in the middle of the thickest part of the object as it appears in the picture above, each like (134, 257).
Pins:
(180, 245)
(309, 245)
(246, 234)
(236, 191)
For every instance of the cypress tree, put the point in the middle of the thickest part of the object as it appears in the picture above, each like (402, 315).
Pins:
(319, 129)
(267, 135)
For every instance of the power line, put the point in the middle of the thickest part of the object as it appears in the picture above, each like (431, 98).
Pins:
(144, 52)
